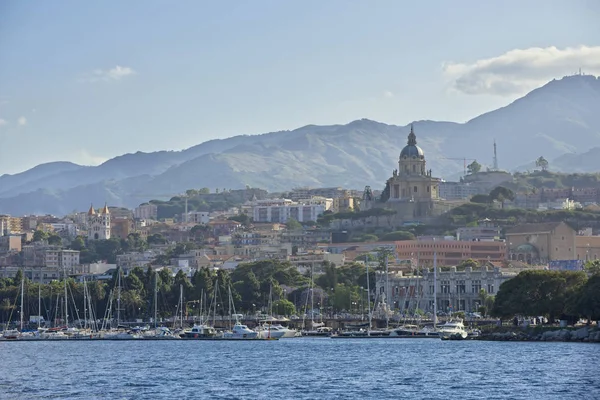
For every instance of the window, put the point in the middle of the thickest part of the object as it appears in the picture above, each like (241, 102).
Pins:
(490, 288)
(427, 189)
(460, 287)
(445, 286)
(431, 289)
(415, 189)
(415, 170)
(475, 286)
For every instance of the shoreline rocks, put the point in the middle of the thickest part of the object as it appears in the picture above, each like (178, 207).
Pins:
(584, 334)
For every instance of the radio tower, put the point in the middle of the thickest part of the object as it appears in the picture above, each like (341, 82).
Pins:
(495, 157)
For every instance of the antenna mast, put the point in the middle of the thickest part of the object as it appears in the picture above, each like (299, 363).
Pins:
(495, 157)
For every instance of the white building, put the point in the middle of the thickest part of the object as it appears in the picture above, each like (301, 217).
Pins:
(198, 217)
(284, 211)
(98, 224)
(146, 211)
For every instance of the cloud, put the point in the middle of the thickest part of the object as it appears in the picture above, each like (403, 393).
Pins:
(388, 95)
(83, 157)
(107, 75)
(22, 121)
(521, 70)
(3, 122)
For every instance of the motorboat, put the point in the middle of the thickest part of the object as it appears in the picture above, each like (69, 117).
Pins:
(321, 331)
(11, 334)
(269, 331)
(414, 332)
(452, 330)
(122, 335)
(200, 332)
(160, 333)
(240, 331)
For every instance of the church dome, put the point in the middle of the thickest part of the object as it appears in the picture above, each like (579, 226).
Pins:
(411, 149)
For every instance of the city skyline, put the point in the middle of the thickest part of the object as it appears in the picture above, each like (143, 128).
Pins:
(85, 83)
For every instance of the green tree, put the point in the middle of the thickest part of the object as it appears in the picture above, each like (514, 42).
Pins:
(501, 194)
(293, 225)
(78, 243)
(481, 199)
(588, 299)
(284, 307)
(243, 219)
(467, 263)
(473, 168)
(155, 238)
(542, 163)
(592, 267)
(397, 235)
(204, 190)
(39, 236)
(54, 239)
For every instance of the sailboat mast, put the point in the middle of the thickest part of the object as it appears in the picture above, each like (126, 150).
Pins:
(85, 320)
(39, 303)
(229, 301)
(312, 296)
(66, 300)
(118, 296)
(155, 295)
(368, 300)
(387, 294)
(22, 290)
(181, 303)
(434, 289)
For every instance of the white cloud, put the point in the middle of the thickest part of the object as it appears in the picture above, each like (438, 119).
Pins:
(83, 157)
(3, 122)
(22, 121)
(520, 70)
(388, 95)
(106, 75)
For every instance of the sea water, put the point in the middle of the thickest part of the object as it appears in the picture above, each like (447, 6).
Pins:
(300, 368)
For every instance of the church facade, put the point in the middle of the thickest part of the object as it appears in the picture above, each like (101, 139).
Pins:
(411, 191)
(98, 224)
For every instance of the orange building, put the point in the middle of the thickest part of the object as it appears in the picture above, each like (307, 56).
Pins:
(450, 252)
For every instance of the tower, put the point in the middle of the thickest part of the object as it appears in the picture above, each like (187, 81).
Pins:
(495, 157)
(99, 223)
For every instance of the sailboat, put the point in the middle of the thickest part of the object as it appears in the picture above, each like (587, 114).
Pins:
(162, 332)
(267, 329)
(203, 330)
(239, 331)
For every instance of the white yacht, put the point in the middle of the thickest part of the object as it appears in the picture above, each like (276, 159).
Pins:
(240, 331)
(11, 334)
(454, 330)
(414, 332)
(267, 331)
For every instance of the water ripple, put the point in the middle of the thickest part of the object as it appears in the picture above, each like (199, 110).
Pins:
(303, 368)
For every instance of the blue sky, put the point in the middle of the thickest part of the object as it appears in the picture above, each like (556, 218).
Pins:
(86, 81)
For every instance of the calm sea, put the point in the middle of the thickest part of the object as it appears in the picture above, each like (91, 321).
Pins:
(303, 368)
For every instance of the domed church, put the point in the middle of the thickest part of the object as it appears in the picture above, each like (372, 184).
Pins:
(412, 190)
(412, 181)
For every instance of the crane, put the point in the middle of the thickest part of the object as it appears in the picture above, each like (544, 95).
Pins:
(463, 159)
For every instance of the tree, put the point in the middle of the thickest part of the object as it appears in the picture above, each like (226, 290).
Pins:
(284, 307)
(588, 299)
(500, 193)
(538, 293)
(155, 238)
(467, 263)
(481, 199)
(54, 239)
(473, 168)
(204, 190)
(592, 267)
(39, 236)
(293, 225)
(243, 219)
(542, 163)
(397, 236)
(78, 243)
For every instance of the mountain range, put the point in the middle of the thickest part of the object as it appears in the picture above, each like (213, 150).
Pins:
(560, 121)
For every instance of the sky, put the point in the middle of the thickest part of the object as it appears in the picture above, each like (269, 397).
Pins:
(86, 81)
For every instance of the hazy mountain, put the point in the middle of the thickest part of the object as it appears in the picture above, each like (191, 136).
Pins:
(560, 117)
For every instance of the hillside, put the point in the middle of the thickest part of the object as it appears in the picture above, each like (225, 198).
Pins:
(560, 117)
